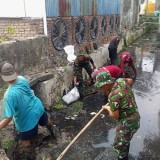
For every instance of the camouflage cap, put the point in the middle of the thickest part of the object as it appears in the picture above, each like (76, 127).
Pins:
(79, 53)
(103, 78)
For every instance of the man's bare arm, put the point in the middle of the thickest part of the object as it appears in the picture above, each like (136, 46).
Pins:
(129, 81)
(114, 114)
(5, 122)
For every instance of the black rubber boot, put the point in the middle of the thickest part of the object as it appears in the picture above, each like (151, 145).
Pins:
(50, 129)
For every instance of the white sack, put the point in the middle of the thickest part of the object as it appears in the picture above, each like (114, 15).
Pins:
(71, 96)
(70, 52)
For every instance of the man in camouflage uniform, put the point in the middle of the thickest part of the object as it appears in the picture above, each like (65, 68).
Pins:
(82, 61)
(121, 106)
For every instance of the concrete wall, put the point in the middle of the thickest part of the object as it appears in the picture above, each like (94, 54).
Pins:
(129, 13)
(28, 55)
(157, 6)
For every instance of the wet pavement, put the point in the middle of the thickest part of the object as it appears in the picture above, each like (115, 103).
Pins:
(147, 93)
(96, 142)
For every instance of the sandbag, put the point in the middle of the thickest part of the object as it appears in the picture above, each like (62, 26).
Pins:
(71, 96)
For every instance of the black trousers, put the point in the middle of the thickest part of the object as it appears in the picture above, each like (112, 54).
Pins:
(113, 55)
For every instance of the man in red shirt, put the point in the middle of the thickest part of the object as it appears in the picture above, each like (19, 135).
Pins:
(114, 71)
(127, 63)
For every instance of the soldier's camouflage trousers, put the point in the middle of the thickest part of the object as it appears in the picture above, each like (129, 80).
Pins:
(78, 72)
(124, 133)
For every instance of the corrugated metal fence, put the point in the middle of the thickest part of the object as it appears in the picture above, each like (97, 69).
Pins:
(82, 7)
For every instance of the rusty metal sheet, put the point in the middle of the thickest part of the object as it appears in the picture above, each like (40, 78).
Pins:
(105, 7)
(99, 7)
(64, 8)
(52, 8)
(94, 9)
(88, 9)
(75, 7)
(119, 6)
(85, 7)
(82, 7)
(115, 7)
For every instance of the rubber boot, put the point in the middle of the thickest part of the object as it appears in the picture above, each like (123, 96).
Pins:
(50, 129)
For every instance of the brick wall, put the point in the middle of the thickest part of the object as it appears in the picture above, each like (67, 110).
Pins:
(71, 23)
(27, 28)
(21, 27)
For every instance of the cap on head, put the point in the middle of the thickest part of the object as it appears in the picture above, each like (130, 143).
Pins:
(79, 53)
(8, 72)
(103, 78)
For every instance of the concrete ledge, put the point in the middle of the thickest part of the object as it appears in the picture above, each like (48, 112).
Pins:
(51, 89)
(38, 77)
(100, 56)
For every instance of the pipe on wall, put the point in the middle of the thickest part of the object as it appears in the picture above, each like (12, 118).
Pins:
(44, 17)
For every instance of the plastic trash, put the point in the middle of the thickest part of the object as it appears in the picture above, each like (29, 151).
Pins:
(71, 96)
(70, 52)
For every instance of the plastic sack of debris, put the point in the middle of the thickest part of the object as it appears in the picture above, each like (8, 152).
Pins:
(71, 96)
(70, 52)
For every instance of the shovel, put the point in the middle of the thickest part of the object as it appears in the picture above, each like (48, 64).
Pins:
(79, 134)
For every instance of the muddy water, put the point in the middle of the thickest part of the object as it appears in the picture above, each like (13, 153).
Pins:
(147, 93)
(95, 144)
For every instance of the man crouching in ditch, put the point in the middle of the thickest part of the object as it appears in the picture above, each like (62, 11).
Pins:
(24, 107)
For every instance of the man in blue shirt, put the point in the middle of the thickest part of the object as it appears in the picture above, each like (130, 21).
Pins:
(22, 105)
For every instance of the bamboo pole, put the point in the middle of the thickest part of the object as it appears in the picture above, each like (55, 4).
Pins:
(79, 134)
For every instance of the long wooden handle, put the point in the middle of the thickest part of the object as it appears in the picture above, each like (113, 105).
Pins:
(79, 134)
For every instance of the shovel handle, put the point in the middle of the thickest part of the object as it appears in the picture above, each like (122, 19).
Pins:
(79, 134)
